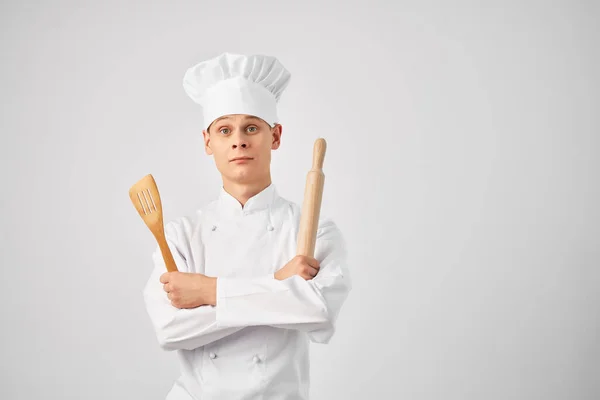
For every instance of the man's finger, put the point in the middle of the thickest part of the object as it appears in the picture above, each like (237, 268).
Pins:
(309, 273)
(312, 271)
(164, 278)
(313, 262)
(167, 287)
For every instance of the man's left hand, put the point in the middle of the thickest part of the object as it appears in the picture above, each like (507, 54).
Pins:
(189, 290)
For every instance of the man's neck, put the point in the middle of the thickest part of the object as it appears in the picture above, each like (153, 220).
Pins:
(243, 191)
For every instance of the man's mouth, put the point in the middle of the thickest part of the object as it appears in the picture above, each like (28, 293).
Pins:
(240, 159)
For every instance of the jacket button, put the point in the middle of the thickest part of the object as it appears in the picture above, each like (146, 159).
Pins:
(256, 359)
(214, 228)
(213, 355)
(270, 228)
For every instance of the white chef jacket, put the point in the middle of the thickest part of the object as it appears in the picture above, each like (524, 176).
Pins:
(254, 344)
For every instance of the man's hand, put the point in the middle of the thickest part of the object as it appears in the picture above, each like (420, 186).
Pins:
(189, 290)
(306, 267)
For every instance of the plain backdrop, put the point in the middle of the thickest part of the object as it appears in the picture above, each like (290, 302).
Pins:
(461, 166)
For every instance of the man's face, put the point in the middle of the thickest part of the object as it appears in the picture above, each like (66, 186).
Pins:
(241, 146)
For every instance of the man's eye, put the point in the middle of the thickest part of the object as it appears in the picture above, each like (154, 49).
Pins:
(252, 129)
(224, 131)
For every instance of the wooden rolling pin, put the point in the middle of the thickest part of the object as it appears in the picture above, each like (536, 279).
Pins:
(311, 206)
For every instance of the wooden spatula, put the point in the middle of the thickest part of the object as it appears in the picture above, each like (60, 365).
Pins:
(311, 206)
(146, 200)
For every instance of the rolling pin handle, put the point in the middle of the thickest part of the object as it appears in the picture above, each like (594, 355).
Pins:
(319, 154)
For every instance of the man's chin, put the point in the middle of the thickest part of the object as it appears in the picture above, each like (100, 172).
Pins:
(242, 177)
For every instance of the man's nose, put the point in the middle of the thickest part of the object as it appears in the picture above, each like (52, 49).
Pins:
(239, 140)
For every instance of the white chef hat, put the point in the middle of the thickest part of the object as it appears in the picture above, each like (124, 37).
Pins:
(237, 84)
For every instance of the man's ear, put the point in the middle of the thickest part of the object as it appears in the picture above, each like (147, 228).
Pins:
(207, 148)
(277, 131)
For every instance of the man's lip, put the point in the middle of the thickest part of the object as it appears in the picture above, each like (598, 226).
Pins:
(241, 158)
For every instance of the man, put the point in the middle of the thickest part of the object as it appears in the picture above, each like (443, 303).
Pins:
(242, 308)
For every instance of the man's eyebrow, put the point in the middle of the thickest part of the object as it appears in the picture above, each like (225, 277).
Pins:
(246, 119)
(220, 118)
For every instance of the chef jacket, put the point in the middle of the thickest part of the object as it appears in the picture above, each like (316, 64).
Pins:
(254, 343)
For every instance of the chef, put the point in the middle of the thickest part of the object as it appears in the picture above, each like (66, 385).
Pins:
(243, 307)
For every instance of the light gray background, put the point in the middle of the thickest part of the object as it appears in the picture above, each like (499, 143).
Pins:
(462, 167)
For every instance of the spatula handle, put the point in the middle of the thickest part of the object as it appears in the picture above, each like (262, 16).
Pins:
(166, 253)
(311, 206)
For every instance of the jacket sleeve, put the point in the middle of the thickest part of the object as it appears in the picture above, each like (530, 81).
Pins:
(186, 328)
(311, 306)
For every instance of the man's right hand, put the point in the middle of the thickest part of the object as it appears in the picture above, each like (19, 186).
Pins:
(306, 267)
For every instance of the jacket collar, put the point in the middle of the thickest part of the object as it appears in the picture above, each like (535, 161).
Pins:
(230, 206)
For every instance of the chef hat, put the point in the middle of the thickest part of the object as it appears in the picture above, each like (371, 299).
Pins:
(237, 84)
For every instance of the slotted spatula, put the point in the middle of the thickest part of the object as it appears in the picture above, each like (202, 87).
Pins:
(146, 200)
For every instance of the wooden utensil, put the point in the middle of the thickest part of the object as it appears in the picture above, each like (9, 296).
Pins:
(146, 199)
(311, 206)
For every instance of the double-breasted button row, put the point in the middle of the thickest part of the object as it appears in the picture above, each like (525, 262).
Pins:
(256, 359)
